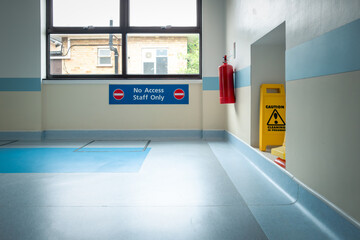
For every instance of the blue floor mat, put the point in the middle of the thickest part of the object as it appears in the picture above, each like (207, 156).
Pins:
(65, 160)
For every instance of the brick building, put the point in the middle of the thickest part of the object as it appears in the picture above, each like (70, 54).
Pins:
(93, 54)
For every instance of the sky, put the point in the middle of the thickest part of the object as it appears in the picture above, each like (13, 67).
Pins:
(75, 13)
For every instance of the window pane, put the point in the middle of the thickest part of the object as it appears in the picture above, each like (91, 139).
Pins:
(104, 61)
(161, 65)
(79, 54)
(149, 68)
(104, 52)
(170, 53)
(80, 13)
(163, 12)
(161, 52)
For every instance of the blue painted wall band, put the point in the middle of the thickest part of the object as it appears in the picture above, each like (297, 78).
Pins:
(337, 51)
(35, 135)
(112, 134)
(20, 84)
(210, 83)
(122, 134)
(241, 78)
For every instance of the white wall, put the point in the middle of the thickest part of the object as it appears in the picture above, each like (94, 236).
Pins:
(246, 22)
(20, 60)
(20, 39)
(213, 36)
(86, 106)
(320, 152)
(214, 116)
(65, 107)
(307, 19)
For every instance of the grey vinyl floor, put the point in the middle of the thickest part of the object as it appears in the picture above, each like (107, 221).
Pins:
(181, 192)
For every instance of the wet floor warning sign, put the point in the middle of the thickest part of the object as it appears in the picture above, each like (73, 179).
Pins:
(276, 122)
(272, 115)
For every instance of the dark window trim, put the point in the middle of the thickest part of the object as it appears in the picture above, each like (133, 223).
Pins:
(124, 29)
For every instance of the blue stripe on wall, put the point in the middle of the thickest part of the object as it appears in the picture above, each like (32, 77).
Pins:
(210, 83)
(112, 134)
(121, 134)
(20, 84)
(242, 79)
(334, 52)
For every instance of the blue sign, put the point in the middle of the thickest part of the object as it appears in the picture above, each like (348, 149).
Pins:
(149, 94)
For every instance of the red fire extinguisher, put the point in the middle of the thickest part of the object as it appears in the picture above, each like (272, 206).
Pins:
(226, 83)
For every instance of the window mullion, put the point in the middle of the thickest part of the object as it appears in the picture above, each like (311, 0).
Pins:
(124, 6)
(80, 30)
(159, 30)
(199, 14)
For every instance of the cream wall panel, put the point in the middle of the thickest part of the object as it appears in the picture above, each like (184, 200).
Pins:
(86, 107)
(239, 114)
(20, 111)
(323, 136)
(214, 113)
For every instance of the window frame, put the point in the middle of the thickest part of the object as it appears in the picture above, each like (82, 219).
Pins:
(123, 29)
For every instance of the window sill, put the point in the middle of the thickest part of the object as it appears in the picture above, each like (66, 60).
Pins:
(100, 66)
(101, 82)
(59, 58)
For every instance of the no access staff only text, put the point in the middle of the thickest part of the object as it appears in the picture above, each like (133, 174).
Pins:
(145, 94)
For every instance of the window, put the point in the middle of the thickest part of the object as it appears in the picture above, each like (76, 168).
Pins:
(155, 61)
(123, 39)
(85, 54)
(104, 57)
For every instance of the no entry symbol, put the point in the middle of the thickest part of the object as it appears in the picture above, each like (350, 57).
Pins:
(179, 94)
(118, 94)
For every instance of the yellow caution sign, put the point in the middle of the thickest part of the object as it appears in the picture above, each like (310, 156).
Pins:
(272, 115)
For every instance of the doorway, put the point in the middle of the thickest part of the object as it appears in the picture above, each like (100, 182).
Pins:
(267, 66)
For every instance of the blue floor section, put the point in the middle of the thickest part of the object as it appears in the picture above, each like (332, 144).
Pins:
(65, 160)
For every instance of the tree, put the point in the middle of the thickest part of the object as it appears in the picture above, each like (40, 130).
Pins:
(192, 56)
